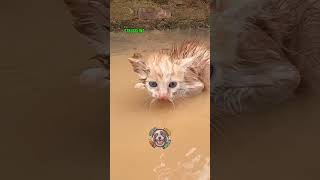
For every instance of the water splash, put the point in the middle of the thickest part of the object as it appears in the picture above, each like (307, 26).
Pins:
(192, 167)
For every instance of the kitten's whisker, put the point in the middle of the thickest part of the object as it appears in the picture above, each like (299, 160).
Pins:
(147, 101)
(172, 102)
(151, 102)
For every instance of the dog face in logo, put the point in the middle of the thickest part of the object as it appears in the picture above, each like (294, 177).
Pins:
(159, 138)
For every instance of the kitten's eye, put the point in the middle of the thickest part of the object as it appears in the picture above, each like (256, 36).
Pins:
(153, 84)
(172, 84)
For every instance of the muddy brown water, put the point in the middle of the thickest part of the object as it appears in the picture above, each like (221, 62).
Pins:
(132, 157)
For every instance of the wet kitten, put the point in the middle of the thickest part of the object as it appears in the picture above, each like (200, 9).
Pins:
(182, 71)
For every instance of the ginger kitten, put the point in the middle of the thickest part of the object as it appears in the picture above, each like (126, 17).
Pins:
(182, 71)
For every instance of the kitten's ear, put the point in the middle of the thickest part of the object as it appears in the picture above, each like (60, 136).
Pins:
(139, 86)
(140, 67)
(186, 63)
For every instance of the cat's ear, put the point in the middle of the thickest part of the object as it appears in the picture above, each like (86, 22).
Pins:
(139, 86)
(140, 67)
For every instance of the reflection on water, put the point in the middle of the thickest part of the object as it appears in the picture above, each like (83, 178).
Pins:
(132, 157)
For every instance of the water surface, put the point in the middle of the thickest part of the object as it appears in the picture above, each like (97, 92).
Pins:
(131, 155)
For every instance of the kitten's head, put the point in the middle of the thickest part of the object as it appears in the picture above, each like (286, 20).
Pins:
(163, 78)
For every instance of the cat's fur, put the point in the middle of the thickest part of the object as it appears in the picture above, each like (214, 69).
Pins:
(187, 64)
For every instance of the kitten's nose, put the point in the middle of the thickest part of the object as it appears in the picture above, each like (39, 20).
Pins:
(163, 97)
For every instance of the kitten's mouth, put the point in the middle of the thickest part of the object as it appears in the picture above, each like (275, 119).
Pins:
(162, 101)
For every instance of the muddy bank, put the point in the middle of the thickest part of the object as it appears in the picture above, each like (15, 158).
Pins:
(159, 14)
